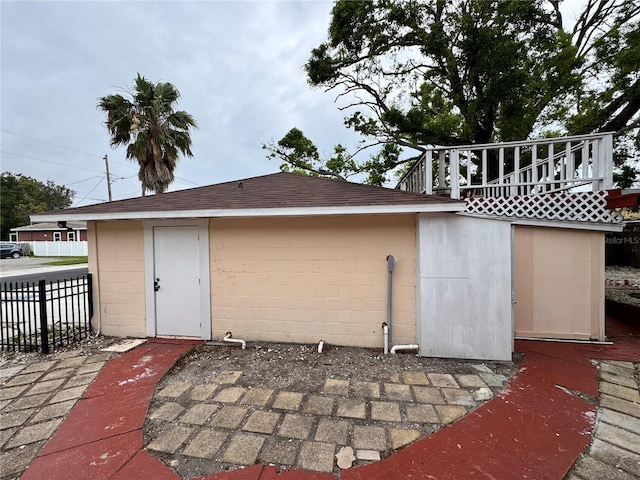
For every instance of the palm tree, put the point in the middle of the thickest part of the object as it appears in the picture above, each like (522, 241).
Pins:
(155, 134)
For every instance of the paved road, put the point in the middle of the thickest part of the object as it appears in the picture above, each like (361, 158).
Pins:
(30, 269)
(8, 265)
(48, 276)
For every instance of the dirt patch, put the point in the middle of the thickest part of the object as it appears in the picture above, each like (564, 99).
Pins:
(301, 368)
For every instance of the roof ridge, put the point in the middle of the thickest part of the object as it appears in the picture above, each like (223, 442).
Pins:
(281, 190)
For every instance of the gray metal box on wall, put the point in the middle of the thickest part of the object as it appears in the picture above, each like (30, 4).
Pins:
(464, 287)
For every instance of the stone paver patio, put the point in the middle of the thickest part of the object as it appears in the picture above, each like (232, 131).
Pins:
(226, 424)
(306, 429)
(615, 450)
(34, 400)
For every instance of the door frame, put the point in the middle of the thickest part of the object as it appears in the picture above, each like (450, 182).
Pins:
(205, 290)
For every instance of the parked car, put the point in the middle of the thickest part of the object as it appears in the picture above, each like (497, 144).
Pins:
(12, 250)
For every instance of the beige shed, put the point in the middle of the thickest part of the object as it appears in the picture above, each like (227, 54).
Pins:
(291, 258)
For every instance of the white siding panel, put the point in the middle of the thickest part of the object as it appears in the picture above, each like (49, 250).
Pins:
(464, 285)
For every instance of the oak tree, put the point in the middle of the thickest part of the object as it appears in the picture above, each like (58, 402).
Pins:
(23, 196)
(447, 72)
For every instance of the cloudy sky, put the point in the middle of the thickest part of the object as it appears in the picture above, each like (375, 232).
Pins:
(237, 64)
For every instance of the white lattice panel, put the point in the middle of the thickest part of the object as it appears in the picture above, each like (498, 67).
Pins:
(572, 207)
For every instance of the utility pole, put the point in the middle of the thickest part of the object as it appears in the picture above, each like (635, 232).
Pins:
(106, 162)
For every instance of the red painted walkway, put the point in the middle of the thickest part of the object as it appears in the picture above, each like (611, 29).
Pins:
(534, 429)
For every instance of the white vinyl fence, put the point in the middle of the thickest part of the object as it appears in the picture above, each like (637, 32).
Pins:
(59, 249)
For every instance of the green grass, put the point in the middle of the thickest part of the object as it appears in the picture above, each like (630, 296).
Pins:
(69, 261)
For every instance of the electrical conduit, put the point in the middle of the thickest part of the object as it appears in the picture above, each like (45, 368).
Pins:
(391, 261)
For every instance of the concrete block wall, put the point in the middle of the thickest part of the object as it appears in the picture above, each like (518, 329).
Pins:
(306, 279)
(116, 259)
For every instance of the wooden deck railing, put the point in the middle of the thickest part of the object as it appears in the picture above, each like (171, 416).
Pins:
(507, 169)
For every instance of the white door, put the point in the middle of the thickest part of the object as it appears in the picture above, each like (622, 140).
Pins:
(176, 279)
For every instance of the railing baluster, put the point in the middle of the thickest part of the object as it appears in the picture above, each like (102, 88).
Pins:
(607, 153)
(33, 315)
(455, 174)
(3, 296)
(501, 167)
(552, 169)
(586, 164)
(14, 315)
(566, 172)
(516, 170)
(82, 285)
(442, 169)
(596, 163)
(42, 302)
(90, 298)
(428, 172)
(7, 310)
(4, 316)
(53, 299)
(534, 167)
(22, 321)
(77, 297)
(484, 167)
(75, 312)
(74, 295)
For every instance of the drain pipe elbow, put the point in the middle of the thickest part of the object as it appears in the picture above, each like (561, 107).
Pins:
(227, 338)
(385, 333)
(411, 346)
(320, 346)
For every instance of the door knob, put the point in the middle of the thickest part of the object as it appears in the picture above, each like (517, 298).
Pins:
(156, 284)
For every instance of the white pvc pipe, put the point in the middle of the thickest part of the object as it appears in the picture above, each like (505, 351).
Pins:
(227, 338)
(411, 346)
(385, 332)
(320, 346)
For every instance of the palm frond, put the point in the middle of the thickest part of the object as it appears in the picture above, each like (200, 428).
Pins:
(155, 134)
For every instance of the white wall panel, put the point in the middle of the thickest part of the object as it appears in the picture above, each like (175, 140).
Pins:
(465, 288)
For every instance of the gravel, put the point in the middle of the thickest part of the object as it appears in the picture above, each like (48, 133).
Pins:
(622, 285)
(301, 368)
(89, 346)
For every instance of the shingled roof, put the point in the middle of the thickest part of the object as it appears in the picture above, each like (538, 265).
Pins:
(275, 194)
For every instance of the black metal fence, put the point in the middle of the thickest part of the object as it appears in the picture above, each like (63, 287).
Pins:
(42, 316)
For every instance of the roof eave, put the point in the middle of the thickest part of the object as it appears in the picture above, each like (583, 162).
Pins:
(540, 222)
(52, 229)
(61, 215)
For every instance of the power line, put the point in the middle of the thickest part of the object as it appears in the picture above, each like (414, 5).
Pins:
(129, 195)
(77, 151)
(96, 199)
(62, 146)
(50, 161)
(128, 165)
(49, 143)
(91, 191)
(81, 181)
(188, 181)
